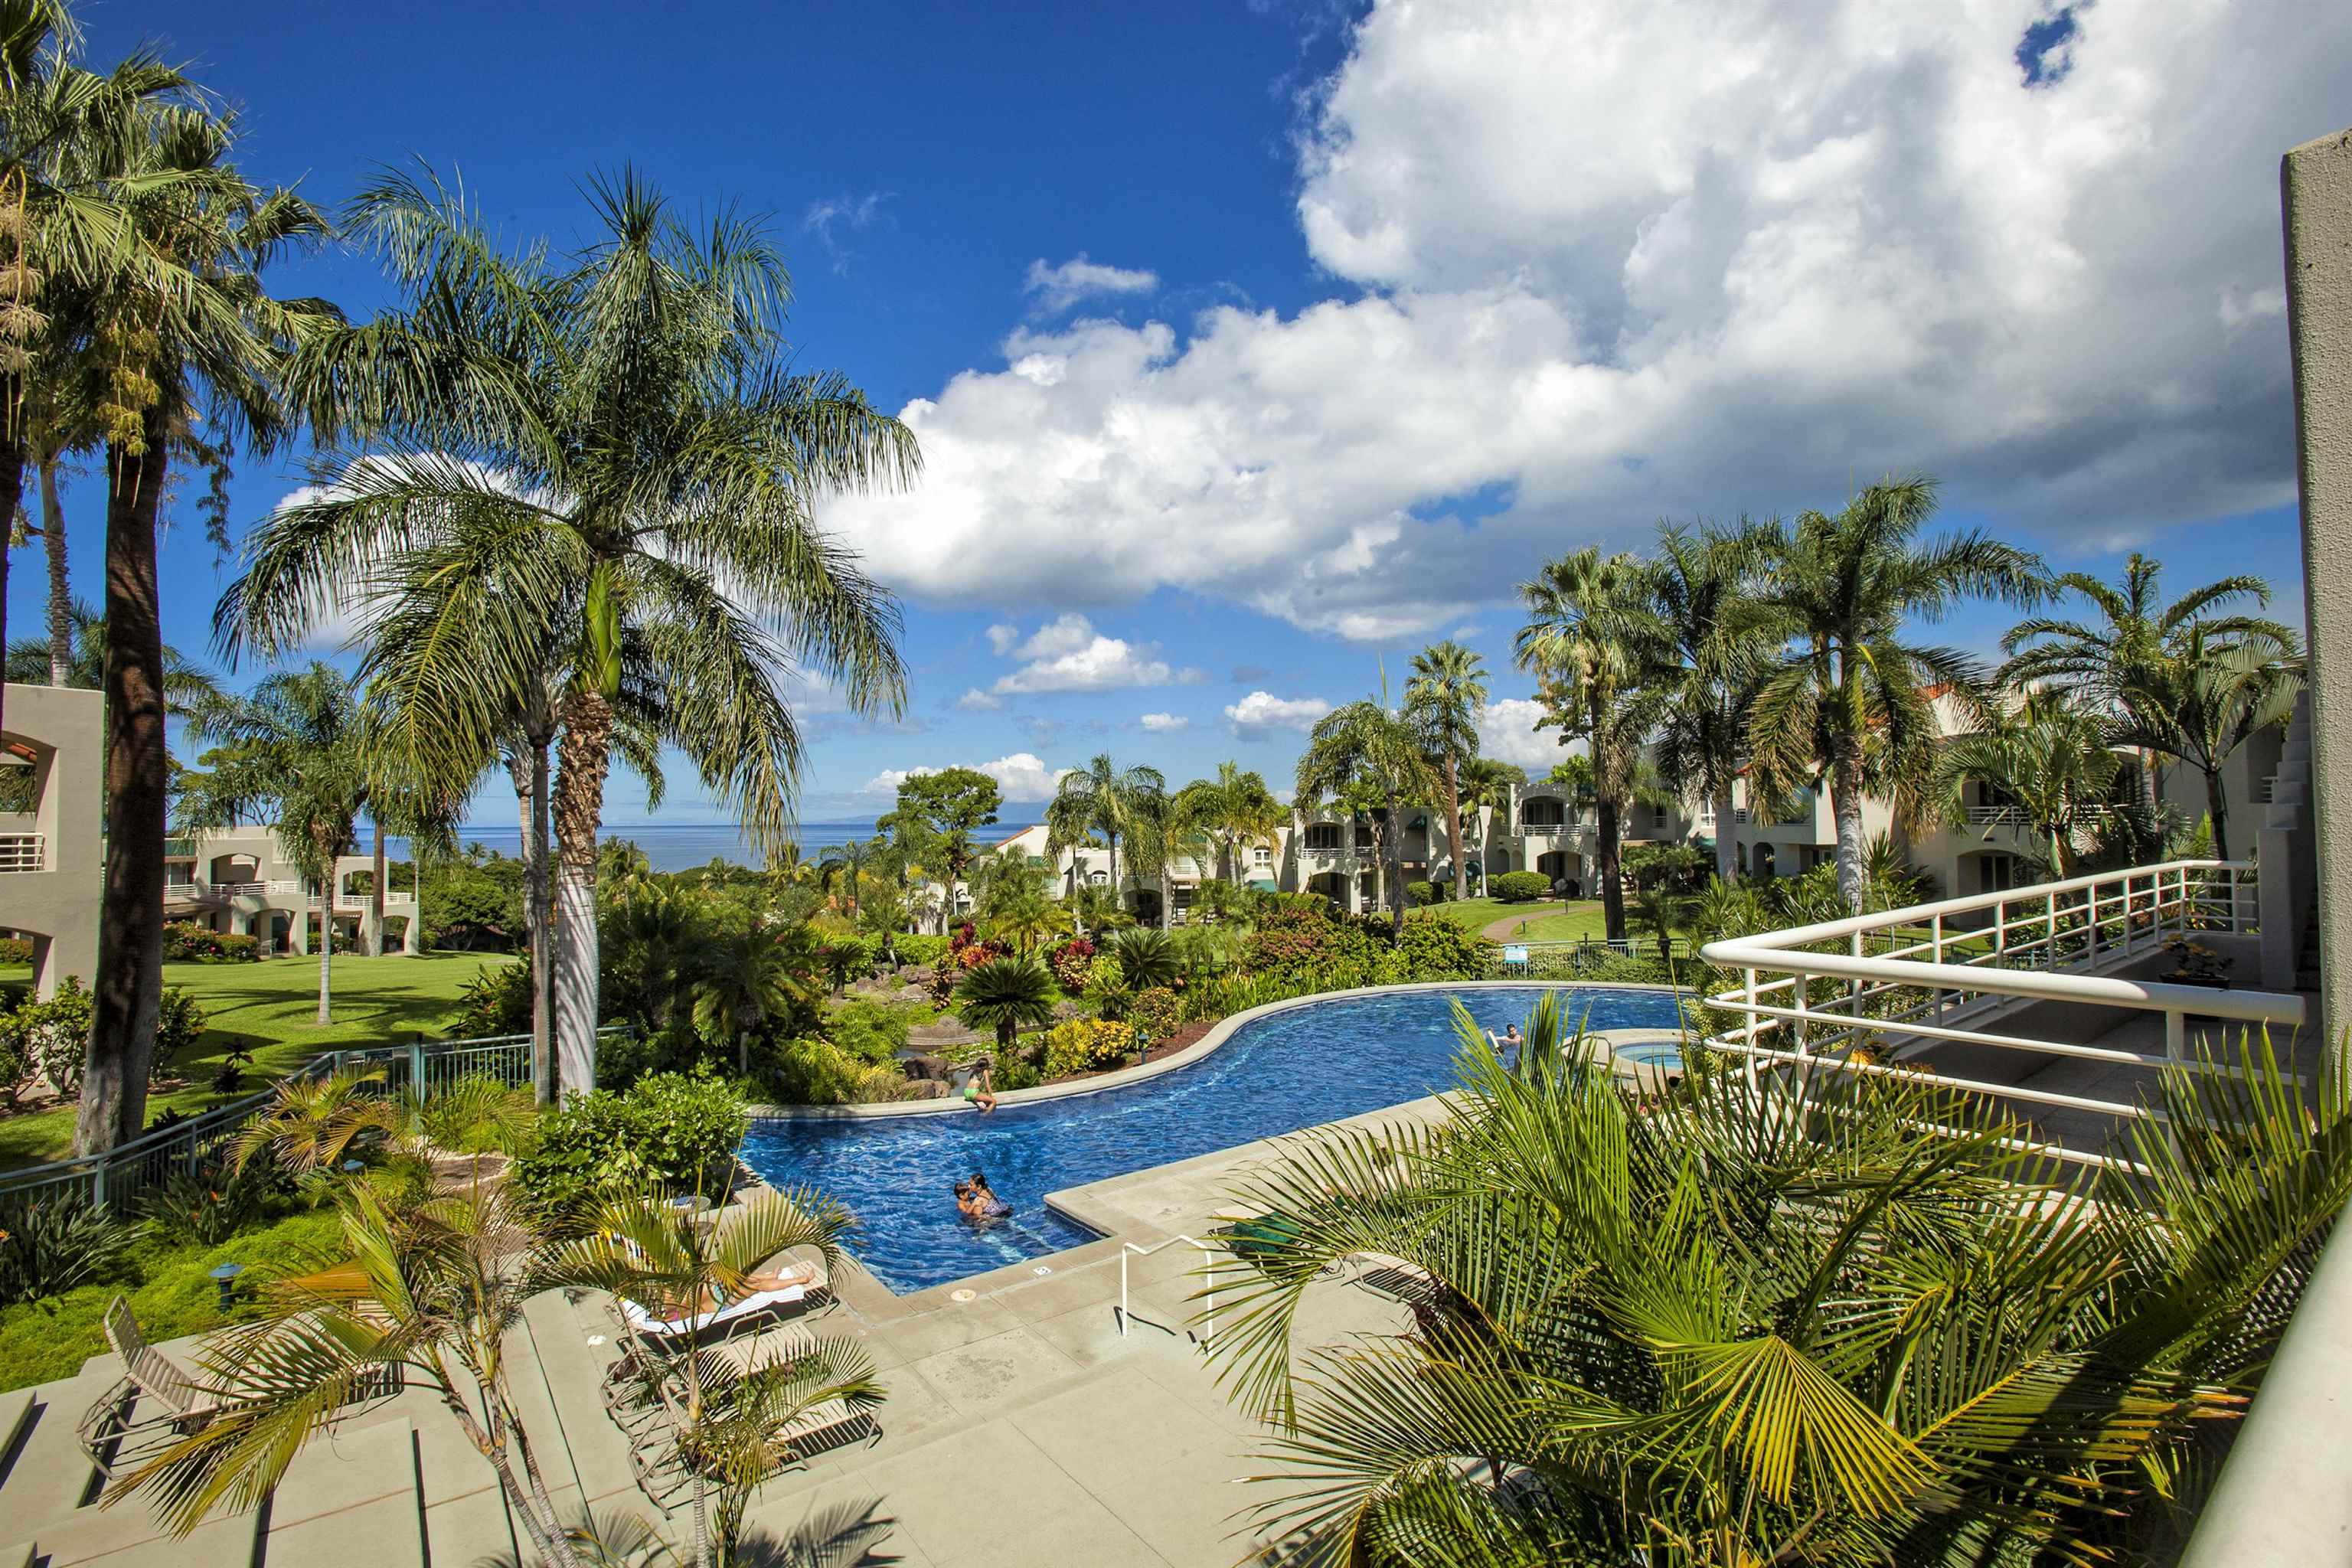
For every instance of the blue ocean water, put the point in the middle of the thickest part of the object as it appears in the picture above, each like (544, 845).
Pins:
(681, 846)
(1295, 1069)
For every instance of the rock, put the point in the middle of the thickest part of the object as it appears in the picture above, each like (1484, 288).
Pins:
(921, 1069)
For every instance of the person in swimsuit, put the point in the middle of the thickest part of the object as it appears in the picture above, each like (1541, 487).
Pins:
(984, 1199)
(978, 1088)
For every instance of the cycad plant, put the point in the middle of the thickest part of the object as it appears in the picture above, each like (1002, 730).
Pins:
(1854, 1322)
(1006, 994)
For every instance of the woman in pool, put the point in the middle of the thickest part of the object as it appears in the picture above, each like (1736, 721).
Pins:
(984, 1199)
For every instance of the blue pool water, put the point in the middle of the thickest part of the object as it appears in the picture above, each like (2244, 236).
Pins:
(1295, 1069)
(1670, 1058)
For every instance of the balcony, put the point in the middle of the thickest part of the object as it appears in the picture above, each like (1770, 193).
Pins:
(24, 852)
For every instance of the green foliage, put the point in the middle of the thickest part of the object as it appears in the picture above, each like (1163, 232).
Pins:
(920, 950)
(53, 1243)
(1421, 895)
(811, 1071)
(1072, 961)
(1086, 1045)
(480, 899)
(179, 1023)
(496, 1001)
(870, 1032)
(1107, 991)
(184, 941)
(1155, 1013)
(16, 950)
(666, 1128)
(1301, 938)
(1148, 957)
(1433, 948)
(208, 1205)
(1005, 995)
(50, 1037)
(1518, 887)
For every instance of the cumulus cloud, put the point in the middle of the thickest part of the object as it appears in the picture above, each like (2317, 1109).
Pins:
(1055, 290)
(1067, 654)
(1003, 640)
(1023, 776)
(1261, 712)
(1614, 264)
(1507, 732)
(1164, 723)
(975, 701)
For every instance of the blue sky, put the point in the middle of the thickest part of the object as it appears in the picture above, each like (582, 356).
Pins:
(1251, 344)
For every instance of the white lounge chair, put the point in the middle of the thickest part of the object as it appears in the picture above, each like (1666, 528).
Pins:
(643, 1321)
(166, 1399)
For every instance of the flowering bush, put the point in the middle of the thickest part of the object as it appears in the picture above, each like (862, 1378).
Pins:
(1153, 1014)
(1086, 1045)
(1070, 963)
(1107, 990)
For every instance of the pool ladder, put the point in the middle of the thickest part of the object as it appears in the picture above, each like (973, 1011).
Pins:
(1209, 1316)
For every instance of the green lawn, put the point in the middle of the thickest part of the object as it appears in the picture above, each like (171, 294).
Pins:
(268, 1009)
(1547, 920)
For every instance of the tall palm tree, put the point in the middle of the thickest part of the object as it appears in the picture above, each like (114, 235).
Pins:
(33, 660)
(1444, 696)
(1718, 640)
(2218, 694)
(2052, 761)
(1101, 800)
(603, 472)
(295, 752)
(1368, 756)
(1593, 641)
(1235, 810)
(1843, 1322)
(1852, 701)
(1487, 787)
(2119, 662)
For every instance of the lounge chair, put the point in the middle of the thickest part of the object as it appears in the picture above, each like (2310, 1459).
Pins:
(180, 1404)
(643, 1321)
(1398, 1278)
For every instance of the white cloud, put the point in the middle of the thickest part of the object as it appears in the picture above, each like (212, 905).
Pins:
(1023, 776)
(1067, 654)
(1057, 288)
(975, 701)
(1507, 732)
(827, 217)
(887, 781)
(1611, 264)
(1001, 639)
(1261, 712)
(1164, 723)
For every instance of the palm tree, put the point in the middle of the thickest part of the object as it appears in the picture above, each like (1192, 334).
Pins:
(1445, 697)
(2202, 706)
(1847, 1321)
(1235, 810)
(2115, 662)
(2054, 762)
(849, 861)
(1027, 916)
(295, 753)
(179, 330)
(310, 1122)
(1851, 701)
(1720, 639)
(33, 660)
(1097, 910)
(1593, 639)
(1006, 994)
(1487, 787)
(743, 982)
(601, 474)
(1101, 799)
(1363, 753)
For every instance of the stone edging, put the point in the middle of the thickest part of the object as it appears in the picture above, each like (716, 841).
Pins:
(1225, 1030)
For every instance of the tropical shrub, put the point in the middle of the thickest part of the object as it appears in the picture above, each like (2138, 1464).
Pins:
(1148, 957)
(668, 1128)
(1302, 938)
(1154, 1014)
(1070, 962)
(1107, 991)
(1421, 895)
(1086, 1045)
(1433, 948)
(185, 941)
(925, 951)
(52, 1037)
(811, 1071)
(15, 950)
(872, 1032)
(1518, 887)
(52, 1244)
(179, 1023)
(212, 1202)
(1015, 1072)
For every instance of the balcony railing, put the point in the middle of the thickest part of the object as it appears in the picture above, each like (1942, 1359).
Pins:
(24, 852)
(1944, 972)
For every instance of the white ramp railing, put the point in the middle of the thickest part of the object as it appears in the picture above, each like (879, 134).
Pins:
(1851, 994)
(1209, 1314)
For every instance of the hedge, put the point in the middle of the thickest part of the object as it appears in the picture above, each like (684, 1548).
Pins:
(1518, 887)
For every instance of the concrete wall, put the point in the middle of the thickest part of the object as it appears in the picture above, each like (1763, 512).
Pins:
(59, 730)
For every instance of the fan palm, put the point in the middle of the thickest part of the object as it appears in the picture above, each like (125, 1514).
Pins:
(1101, 799)
(1235, 810)
(1851, 701)
(598, 474)
(1593, 641)
(2118, 662)
(1847, 1322)
(743, 982)
(1005, 995)
(1364, 752)
(2051, 761)
(2202, 706)
(1445, 697)
(1718, 640)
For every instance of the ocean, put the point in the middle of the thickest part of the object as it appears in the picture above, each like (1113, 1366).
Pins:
(680, 845)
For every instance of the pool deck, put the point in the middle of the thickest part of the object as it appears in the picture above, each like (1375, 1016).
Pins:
(1023, 1426)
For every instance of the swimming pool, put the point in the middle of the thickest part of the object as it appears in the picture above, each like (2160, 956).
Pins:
(1295, 1069)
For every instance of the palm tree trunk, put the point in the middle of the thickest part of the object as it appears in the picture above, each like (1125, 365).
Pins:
(1608, 861)
(130, 989)
(1726, 835)
(1392, 868)
(584, 758)
(2149, 796)
(1453, 826)
(1845, 802)
(2217, 806)
(527, 767)
(326, 944)
(53, 545)
(375, 898)
(13, 456)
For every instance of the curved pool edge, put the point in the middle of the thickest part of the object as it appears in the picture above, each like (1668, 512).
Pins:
(1223, 1030)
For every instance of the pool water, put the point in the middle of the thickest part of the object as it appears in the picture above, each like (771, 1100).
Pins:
(1669, 1058)
(1295, 1069)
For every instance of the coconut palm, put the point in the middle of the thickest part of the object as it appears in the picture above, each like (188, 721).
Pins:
(32, 660)
(601, 473)
(1444, 696)
(1234, 810)
(1593, 641)
(744, 981)
(2118, 662)
(1718, 640)
(1006, 994)
(1848, 1321)
(2051, 760)
(1101, 801)
(1487, 787)
(295, 752)
(1370, 758)
(1851, 701)
(2218, 694)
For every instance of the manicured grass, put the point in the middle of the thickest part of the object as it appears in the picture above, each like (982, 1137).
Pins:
(267, 1008)
(1547, 919)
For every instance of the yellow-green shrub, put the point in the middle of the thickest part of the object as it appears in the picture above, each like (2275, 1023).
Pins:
(1086, 1045)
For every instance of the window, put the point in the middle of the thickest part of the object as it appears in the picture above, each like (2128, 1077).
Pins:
(1323, 836)
(1543, 814)
(1261, 855)
(1099, 879)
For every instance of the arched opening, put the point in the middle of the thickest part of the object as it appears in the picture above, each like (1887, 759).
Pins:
(1763, 860)
(1331, 886)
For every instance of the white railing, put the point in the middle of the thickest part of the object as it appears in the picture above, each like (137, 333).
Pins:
(1209, 1314)
(2011, 816)
(1939, 972)
(24, 852)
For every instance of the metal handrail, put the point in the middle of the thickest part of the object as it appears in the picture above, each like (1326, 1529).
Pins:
(1209, 1316)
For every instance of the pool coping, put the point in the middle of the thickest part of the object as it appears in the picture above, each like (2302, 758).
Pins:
(1223, 1031)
